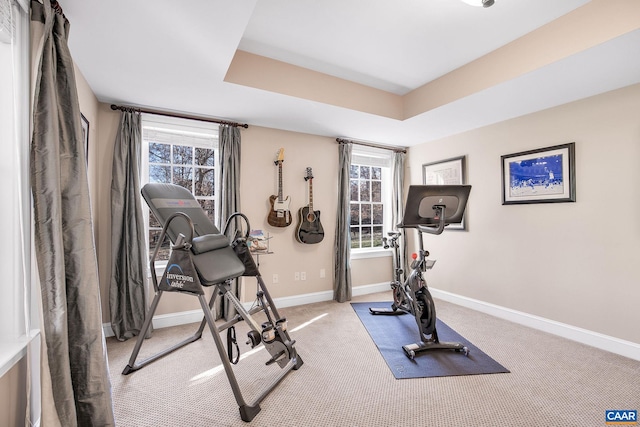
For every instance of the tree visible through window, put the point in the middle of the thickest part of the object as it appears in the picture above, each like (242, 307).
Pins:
(367, 209)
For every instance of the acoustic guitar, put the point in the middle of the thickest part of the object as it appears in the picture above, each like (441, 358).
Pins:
(279, 215)
(309, 227)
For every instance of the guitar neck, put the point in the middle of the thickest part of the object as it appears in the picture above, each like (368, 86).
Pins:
(280, 182)
(311, 194)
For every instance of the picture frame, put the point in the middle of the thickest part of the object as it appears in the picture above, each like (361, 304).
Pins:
(446, 172)
(85, 135)
(544, 175)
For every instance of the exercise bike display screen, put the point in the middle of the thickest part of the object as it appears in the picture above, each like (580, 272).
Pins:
(425, 210)
(422, 198)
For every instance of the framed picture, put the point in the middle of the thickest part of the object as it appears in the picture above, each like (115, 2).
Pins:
(545, 175)
(446, 172)
(85, 135)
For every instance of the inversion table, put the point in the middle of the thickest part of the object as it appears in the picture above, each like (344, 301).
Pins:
(202, 256)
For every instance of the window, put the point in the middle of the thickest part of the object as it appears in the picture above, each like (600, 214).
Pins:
(184, 153)
(370, 196)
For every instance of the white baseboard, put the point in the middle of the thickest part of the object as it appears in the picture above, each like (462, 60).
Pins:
(371, 289)
(604, 342)
(296, 300)
(165, 320)
(192, 316)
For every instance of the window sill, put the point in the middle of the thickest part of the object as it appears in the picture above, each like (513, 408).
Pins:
(11, 351)
(374, 253)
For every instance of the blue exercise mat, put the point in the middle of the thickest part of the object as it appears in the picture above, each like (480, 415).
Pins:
(390, 333)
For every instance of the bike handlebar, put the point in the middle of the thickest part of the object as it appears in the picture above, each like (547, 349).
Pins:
(441, 223)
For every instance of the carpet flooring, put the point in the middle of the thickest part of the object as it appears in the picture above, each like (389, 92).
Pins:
(346, 382)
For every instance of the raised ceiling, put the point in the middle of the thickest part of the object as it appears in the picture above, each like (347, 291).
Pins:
(397, 73)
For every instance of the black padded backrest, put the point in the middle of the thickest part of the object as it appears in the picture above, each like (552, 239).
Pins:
(217, 262)
(166, 199)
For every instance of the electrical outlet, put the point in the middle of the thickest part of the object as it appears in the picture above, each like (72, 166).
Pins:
(296, 275)
(303, 275)
(323, 273)
(275, 279)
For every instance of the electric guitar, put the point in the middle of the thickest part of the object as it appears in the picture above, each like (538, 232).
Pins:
(309, 228)
(279, 215)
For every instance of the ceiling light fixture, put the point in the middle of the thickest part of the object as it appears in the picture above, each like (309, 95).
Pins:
(483, 3)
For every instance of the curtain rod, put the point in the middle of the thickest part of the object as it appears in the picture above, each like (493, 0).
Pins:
(180, 116)
(370, 144)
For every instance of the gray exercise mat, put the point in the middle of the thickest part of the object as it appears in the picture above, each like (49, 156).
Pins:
(390, 333)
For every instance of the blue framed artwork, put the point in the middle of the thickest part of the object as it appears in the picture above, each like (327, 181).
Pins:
(545, 175)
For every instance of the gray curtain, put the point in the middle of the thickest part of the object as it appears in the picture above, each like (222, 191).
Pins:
(127, 288)
(228, 201)
(75, 372)
(342, 243)
(397, 201)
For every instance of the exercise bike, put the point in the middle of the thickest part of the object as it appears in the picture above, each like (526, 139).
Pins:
(429, 210)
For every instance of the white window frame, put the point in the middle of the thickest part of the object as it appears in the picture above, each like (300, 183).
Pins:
(376, 157)
(18, 316)
(178, 127)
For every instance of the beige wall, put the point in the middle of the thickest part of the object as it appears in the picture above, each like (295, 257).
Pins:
(89, 109)
(575, 263)
(259, 181)
(13, 389)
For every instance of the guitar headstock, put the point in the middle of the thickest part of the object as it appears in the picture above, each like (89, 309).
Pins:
(309, 175)
(280, 157)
